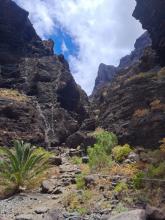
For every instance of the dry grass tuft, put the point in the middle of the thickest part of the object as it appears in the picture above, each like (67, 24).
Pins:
(13, 94)
(140, 113)
(157, 105)
(127, 170)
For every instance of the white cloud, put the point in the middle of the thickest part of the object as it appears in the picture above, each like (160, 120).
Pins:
(104, 31)
(64, 47)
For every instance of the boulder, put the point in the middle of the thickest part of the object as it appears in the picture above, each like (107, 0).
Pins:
(25, 217)
(41, 210)
(54, 215)
(90, 180)
(133, 157)
(79, 138)
(154, 213)
(131, 215)
(48, 186)
(57, 161)
(85, 159)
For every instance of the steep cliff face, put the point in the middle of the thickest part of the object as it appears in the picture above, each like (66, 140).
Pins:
(151, 14)
(56, 104)
(141, 43)
(106, 73)
(132, 104)
(17, 35)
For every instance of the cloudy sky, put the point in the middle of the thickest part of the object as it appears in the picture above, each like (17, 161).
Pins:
(87, 32)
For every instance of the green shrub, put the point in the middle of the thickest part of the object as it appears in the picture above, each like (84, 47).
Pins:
(120, 187)
(121, 152)
(23, 165)
(98, 158)
(82, 210)
(137, 180)
(76, 160)
(106, 140)
(156, 171)
(80, 181)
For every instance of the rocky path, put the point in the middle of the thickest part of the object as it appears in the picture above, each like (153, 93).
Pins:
(36, 205)
(48, 201)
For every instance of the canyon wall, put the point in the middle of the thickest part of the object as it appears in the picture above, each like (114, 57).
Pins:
(55, 106)
(132, 102)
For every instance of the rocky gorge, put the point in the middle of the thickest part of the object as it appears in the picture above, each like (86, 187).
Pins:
(40, 103)
(124, 97)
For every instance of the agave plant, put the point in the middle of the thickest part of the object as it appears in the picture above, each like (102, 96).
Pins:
(22, 164)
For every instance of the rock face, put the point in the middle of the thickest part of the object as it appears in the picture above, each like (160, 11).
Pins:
(141, 43)
(106, 73)
(57, 106)
(17, 36)
(19, 119)
(132, 104)
(151, 14)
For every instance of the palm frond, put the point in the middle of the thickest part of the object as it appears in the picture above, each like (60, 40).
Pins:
(23, 163)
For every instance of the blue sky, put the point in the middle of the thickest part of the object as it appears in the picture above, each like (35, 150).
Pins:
(87, 32)
(64, 44)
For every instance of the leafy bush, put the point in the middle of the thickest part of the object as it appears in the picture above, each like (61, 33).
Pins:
(23, 165)
(137, 180)
(106, 140)
(121, 152)
(120, 187)
(156, 171)
(98, 158)
(100, 154)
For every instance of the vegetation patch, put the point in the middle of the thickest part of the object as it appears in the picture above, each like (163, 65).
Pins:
(13, 94)
(141, 75)
(100, 154)
(80, 181)
(121, 152)
(23, 166)
(120, 187)
(80, 202)
(76, 160)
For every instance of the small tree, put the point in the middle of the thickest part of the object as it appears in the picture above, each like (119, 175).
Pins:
(98, 159)
(23, 164)
(100, 153)
(106, 140)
